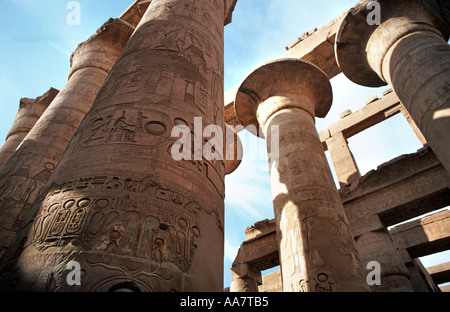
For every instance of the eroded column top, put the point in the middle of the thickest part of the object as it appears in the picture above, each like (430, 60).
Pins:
(103, 48)
(30, 110)
(361, 46)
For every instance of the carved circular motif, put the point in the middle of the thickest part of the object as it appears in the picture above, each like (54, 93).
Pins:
(155, 128)
(82, 203)
(102, 203)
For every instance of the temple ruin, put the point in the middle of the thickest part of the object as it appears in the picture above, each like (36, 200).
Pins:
(87, 175)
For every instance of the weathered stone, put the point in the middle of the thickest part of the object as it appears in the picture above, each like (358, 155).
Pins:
(378, 246)
(118, 203)
(29, 112)
(316, 247)
(245, 278)
(29, 168)
(408, 51)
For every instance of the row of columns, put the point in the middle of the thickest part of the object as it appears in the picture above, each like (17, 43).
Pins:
(150, 223)
(118, 203)
(27, 171)
(316, 249)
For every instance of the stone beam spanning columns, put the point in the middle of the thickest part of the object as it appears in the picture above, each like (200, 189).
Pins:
(408, 51)
(28, 114)
(118, 203)
(317, 250)
(29, 168)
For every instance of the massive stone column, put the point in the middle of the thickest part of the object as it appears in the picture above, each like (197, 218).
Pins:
(118, 203)
(316, 248)
(377, 246)
(29, 168)
(407, 50)
(28, 114)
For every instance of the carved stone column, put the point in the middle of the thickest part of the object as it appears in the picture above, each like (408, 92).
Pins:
(407, 50)
(118, 203)
(377, 246)
(316, 247)
(29, 168)
(29, 112)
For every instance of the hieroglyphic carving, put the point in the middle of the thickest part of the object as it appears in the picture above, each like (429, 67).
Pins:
(148, 128)
(198, 83)
(121, 226)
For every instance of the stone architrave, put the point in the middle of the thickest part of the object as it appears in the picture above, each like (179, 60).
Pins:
(378, 246)
(316, 246)
(28, 114)
(409, 51)
(118, 204)
(25, 174)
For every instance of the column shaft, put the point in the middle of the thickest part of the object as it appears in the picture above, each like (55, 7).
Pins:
(317, 251)
(118, 203)
(377, 246)
(316, 247)
(418, 68)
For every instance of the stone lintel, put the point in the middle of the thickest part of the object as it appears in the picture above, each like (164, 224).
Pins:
(440, 273)
(425, 236)
(403, 188)
(259, 228)
(318, 48)
(370, 115)
(261, 251)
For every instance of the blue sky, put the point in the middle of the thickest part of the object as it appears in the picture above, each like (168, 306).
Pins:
(36, 43)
